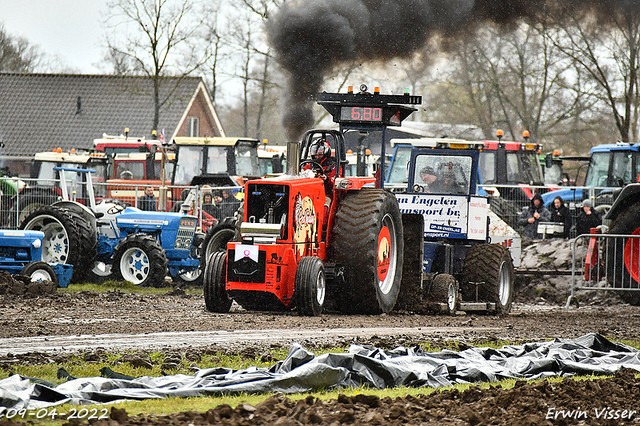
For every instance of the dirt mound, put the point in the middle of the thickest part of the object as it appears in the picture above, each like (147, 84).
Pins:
(554, 256)
(21, 285)
(607, 401)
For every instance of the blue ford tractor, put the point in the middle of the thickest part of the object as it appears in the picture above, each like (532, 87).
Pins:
(21, 253)
(108, 240)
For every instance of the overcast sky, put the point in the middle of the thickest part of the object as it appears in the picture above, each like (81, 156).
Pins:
(69, 29)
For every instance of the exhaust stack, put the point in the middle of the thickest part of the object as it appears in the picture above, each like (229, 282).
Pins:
(293, 158)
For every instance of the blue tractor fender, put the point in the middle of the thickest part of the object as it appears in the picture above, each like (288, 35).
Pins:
(567, 195)
(174, 231)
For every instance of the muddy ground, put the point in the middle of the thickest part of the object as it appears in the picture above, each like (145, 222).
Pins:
(538, 314)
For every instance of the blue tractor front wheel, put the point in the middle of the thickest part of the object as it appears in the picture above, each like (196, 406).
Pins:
(141, 260)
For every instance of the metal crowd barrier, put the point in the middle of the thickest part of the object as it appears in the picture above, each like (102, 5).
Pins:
(606, 262)
(38, 192)
(508, 201)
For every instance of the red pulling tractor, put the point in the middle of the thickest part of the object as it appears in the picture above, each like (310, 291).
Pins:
(365, 240)
(305, 240)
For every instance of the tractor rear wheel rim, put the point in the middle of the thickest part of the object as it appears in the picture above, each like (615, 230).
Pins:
(320, 288)
(101, 269)
(386, 284)
(451, 297)
(55, 242)
(191, 276)
(135, 265)
(504, 284)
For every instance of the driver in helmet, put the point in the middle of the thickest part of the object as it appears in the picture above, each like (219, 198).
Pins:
(320, 152)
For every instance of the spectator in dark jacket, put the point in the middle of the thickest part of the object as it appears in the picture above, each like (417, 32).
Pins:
(208, 206)
(226, 203)
(148, 201)
(588, 218)
(530, 217)
(561, 213)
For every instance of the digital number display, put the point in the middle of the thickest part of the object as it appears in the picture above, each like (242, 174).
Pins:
(361, 114)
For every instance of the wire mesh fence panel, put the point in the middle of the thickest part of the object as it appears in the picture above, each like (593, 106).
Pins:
(35, 193)
(608, 262)
(509, 201)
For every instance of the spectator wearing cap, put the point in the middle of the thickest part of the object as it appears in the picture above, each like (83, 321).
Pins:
(588, 218)
(532, 216)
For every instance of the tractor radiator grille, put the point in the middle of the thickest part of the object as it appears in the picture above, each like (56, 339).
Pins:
(245, 270)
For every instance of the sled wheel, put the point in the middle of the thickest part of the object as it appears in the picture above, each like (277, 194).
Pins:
(139, 259)
(216, 298)
(367, 247)
(444, 289)
(40, 271)
(310, 287)
(491, 265)
(623, 255)
(216, 239)
(64, 242)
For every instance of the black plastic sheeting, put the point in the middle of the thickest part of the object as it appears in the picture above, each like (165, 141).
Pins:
(302, 371)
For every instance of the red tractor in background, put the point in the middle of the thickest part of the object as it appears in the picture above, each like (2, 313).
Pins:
(291, 245)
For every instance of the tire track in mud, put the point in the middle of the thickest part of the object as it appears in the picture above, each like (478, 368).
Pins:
(229, 339)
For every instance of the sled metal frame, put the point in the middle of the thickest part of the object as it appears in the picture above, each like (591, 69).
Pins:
(593, 274)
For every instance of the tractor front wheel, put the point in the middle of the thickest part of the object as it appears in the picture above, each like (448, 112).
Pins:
(490, 267)
(310, 286)
(139, 259)
(40, 271)
(367, 247)
(216, 298)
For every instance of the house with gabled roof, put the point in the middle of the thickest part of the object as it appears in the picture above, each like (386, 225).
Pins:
(41, 112)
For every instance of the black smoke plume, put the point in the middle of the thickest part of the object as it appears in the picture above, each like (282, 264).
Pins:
(311, 37)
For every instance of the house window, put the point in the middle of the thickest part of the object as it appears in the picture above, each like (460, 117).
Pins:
(192, 126)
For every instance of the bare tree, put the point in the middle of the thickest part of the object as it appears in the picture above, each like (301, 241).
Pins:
(17, 54)
(158, 41)
(515, 81)
(254, 63)
(607, 49)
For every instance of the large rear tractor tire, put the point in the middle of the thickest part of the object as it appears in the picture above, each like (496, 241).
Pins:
(40, 271)
(216, 298)
(310, 286)
(367, 247)
(623, 256)
(490, 265)
(140, 259)
(66, 238)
